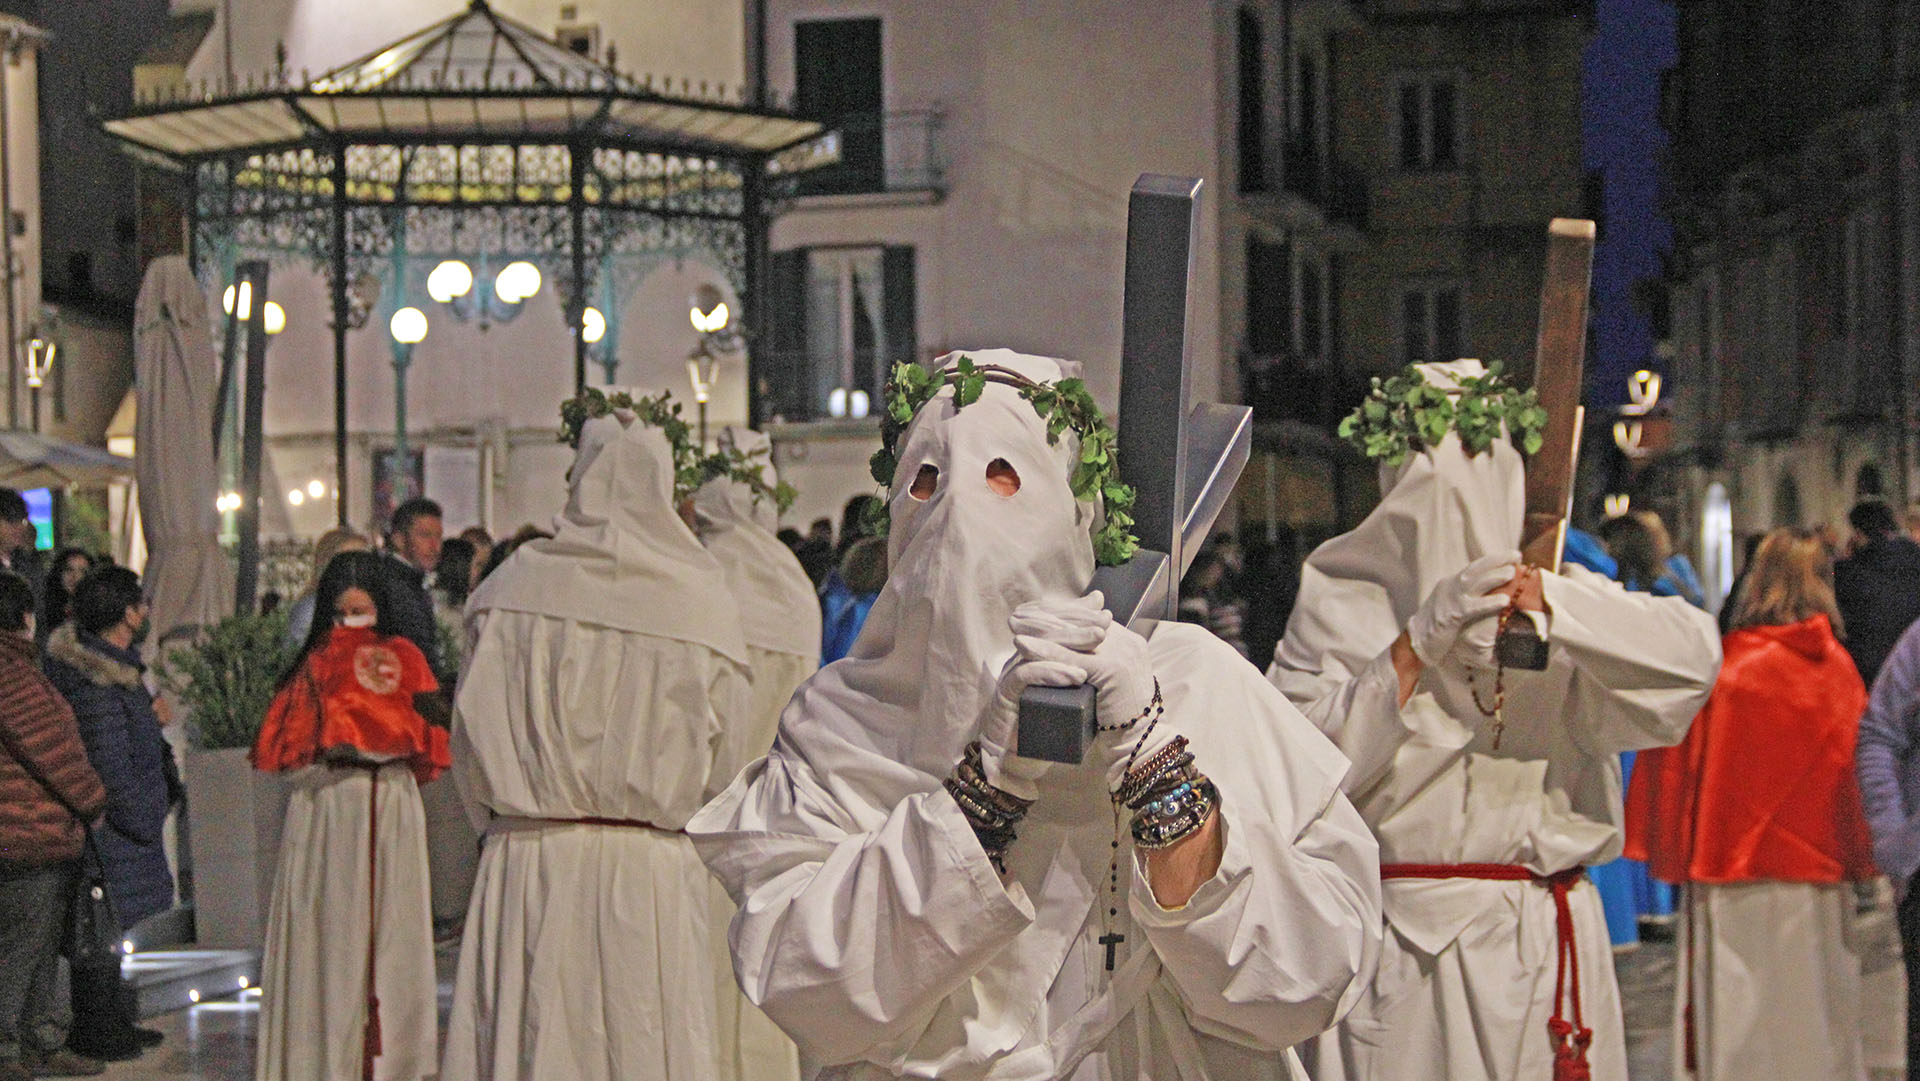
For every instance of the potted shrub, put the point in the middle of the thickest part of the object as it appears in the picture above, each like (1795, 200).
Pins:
(224, 681)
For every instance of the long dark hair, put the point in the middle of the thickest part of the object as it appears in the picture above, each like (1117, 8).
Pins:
(55, 600)
(454, 572)
(348, 570)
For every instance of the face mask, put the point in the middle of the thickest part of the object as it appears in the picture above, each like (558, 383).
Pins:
(364, 619)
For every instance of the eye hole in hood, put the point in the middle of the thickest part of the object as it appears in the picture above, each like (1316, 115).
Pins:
(925, 482)
(1002, 477)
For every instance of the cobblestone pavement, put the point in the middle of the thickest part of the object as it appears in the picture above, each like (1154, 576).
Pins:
(214, 1041)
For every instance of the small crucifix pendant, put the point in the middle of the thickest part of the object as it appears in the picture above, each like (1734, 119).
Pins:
(1110, 940)
(1499, 726)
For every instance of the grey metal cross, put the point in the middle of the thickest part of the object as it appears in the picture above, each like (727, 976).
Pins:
(1182, 459)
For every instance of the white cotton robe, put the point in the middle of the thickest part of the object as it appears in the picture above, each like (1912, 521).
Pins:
(313, 986)
(872, 926)
(586, 949)
(780, 620)
(1465, 985)
(1748, 1026)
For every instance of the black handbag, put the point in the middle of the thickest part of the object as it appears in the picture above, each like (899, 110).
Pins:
(94, 934)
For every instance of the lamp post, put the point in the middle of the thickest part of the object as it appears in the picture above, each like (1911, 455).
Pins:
(483, 300)
(408, 328)
(593, 331)
(708, 313)
(40, 356)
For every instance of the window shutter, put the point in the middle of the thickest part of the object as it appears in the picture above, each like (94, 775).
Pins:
(780, 375)
(899, 304)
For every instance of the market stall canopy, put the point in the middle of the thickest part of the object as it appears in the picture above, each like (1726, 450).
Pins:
(474, 76)
(31, 460)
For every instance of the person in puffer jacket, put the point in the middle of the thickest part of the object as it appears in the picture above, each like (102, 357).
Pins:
(95, 662)
(45, 781)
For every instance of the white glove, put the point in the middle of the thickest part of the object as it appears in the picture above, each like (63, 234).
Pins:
(1000, 723)
(1115, 659)
(1459, 602)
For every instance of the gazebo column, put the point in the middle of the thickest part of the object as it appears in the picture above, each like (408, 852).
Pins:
(342, 317)
(755, 226)
(576, 251)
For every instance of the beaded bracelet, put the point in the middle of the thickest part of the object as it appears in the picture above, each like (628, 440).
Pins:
(1172, 819)
(1144, 777)
(1155, 709)
(992, 812)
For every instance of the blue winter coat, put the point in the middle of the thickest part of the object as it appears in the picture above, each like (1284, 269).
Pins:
(103, 684)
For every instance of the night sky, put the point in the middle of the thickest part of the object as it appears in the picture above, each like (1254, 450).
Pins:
(1621, 137)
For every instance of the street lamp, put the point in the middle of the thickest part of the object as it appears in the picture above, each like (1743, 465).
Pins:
(478, 298)
(707, 311)
(40, 355)
(408, 328)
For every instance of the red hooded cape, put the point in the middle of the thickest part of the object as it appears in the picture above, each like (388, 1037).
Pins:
(1763, 786)
(354, 693)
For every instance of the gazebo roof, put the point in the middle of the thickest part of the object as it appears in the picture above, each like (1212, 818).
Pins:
(475, 77)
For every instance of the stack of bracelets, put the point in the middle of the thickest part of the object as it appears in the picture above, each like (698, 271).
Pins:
(992, 812)
(1169, 798)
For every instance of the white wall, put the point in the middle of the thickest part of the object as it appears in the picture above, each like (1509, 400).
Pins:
(1054, 108)
(691, 39)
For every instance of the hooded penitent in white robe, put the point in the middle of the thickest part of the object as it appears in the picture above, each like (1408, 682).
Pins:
(780, 618)
(872, 926)
(1467, 972)
(608, 681)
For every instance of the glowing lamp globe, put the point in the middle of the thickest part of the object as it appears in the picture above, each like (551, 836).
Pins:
(516, 282)
(449, 281)
(408, 326)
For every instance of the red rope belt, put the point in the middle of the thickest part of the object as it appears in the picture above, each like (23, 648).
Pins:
(1570, 1038)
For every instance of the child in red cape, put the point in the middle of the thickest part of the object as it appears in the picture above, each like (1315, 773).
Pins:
(347, 978)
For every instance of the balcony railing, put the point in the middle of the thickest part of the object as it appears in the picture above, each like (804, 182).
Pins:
(897, 152)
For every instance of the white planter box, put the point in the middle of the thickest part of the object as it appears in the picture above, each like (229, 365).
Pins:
(235, 814)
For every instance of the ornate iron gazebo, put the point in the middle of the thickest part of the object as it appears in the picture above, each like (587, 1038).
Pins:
(475, 138)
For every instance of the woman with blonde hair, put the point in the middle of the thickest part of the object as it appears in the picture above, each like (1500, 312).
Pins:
(330, 544)
(1757, 814)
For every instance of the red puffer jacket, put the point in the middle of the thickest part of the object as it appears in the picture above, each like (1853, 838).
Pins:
(36, 727)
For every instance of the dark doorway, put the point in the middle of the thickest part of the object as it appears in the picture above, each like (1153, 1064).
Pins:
(837, 79)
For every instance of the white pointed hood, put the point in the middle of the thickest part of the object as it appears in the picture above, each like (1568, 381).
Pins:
(779, 611)
(1440, 509)
(905, 701)
(620, 555)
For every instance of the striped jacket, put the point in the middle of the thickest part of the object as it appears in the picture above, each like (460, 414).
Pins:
(37, 727)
